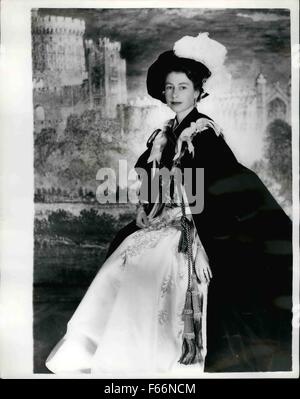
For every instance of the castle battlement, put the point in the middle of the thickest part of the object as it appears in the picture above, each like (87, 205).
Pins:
(56, 24)
(108, 45)
(103, 43)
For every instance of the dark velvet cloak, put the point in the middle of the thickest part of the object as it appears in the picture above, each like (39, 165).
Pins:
(248, 239)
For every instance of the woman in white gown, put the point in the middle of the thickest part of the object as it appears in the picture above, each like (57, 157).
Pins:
(134, 318)
(130, 320)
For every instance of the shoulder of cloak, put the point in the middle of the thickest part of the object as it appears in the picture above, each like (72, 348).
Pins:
(167, 124)
(200, 115)
(142, 160)
(152, 137)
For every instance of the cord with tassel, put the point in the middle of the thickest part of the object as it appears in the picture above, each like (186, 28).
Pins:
(192, 344)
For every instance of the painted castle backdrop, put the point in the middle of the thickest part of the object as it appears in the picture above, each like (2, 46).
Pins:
(83, 119)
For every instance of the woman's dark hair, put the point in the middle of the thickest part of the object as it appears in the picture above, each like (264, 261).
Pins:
(197, 79)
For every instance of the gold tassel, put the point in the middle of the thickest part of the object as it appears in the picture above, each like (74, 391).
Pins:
(192, 335)
(188, 345)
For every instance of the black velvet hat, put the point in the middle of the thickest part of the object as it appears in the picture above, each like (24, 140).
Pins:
(168, 62)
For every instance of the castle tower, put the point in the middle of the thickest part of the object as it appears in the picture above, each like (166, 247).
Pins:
(261, 96)
(107, 75)
(278, 103)
(57, 50)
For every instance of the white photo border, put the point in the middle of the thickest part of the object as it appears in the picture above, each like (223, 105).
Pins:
(17, 175)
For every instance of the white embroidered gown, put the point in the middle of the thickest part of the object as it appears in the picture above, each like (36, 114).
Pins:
(129, 322)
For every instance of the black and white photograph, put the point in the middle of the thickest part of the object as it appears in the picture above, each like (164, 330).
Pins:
(150, 190)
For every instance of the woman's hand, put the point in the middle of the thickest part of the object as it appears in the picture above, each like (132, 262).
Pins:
(142, 218)
(202, 268)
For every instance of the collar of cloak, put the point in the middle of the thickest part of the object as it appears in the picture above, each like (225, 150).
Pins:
(172, 136)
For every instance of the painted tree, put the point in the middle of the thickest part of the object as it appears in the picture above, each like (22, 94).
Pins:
(44, 144)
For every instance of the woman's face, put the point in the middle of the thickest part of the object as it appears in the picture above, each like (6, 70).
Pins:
(179, 92)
